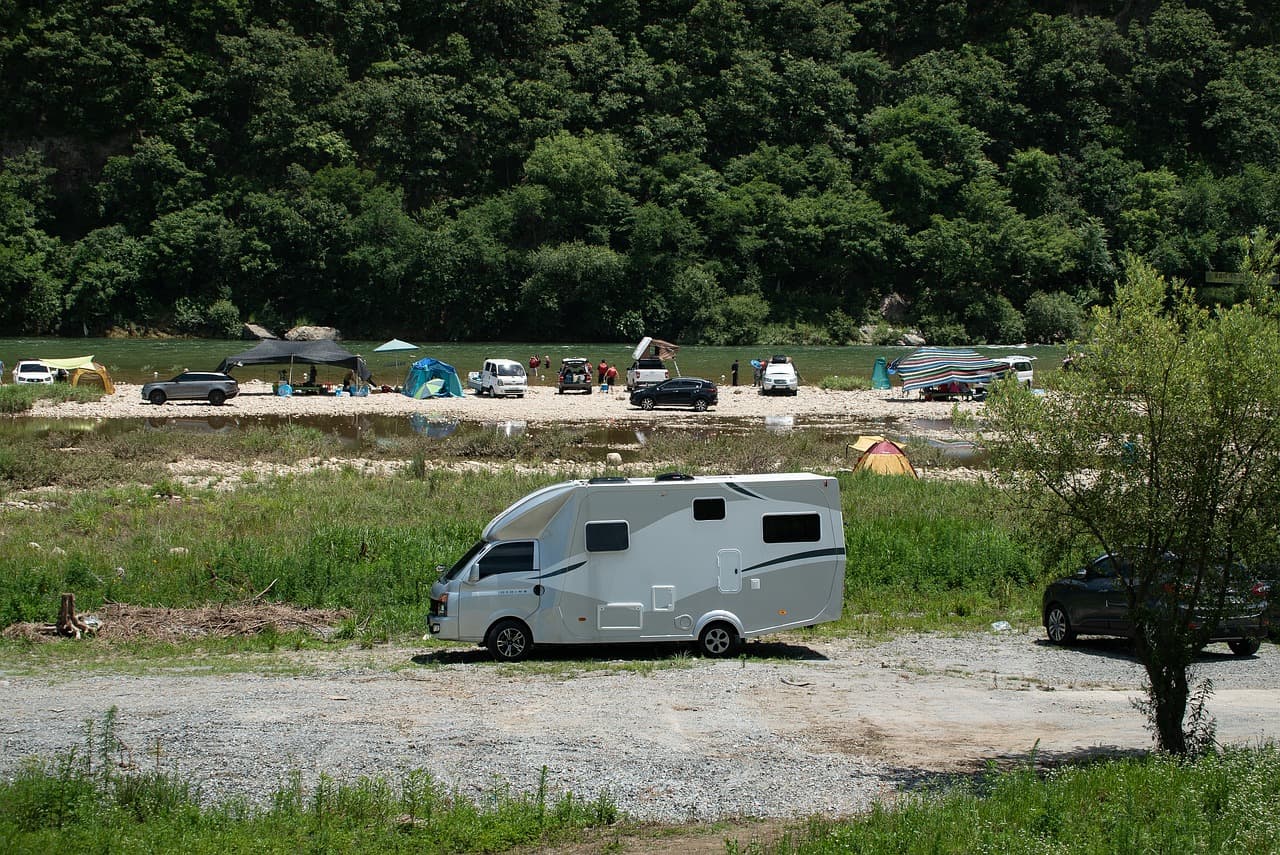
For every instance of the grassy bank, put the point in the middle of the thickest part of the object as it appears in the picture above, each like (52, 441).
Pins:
(920, 553)
(84, 804)
(20, 397)
(1223, 803)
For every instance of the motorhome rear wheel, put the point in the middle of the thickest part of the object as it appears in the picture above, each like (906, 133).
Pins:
(718, 640)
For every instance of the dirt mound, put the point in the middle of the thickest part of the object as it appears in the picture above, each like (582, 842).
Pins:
(123, 622)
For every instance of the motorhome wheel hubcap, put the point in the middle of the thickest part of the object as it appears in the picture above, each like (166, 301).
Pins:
(511, 642)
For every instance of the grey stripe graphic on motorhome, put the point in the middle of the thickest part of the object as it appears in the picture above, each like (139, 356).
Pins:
(796, 556)
(563, 570)
(743, 490)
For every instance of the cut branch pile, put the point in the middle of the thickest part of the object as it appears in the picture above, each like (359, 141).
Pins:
(123, 622)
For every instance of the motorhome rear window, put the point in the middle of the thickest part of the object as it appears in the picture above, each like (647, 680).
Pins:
(514, 557)
(708, 509)
(792, 528)
(607, 536)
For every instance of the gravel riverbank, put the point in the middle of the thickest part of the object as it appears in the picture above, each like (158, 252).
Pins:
(794, 728)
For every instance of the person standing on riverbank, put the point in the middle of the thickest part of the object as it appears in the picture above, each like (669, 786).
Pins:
(733, 372)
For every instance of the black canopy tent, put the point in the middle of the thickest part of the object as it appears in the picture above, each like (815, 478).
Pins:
(276, 352)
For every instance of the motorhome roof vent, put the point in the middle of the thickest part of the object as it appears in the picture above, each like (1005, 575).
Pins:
(673, 476)
(608, 479)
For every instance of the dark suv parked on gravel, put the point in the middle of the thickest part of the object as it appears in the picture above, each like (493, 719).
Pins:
(680, 392)
(1095, 601)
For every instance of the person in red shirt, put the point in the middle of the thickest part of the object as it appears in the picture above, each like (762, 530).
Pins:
(533, 365)
(611, 375)
(602, 368)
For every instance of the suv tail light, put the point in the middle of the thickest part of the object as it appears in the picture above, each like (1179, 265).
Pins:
(1261, 590)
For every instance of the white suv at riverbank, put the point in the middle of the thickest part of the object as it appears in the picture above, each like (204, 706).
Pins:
(31, 371)
(780, 377)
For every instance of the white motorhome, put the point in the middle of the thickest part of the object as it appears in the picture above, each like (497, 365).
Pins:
(713, 559)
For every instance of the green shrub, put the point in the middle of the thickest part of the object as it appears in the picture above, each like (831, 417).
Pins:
(21, 397)
(223, 319)
(845, 383)
(1054, 318)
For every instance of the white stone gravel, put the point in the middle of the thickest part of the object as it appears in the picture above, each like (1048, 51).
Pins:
(794, 728)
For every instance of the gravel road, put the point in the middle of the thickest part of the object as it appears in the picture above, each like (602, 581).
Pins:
(796, 727)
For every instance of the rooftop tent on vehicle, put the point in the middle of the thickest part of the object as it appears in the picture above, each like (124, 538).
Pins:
(656, 347)
(431, 378)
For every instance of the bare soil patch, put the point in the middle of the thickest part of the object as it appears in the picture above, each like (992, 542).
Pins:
(124, 622)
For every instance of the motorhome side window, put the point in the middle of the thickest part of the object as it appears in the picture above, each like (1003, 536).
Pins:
(514, 557)
(708, 509)
(607, 536)
(792, 528)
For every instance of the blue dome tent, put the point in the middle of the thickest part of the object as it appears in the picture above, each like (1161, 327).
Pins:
(431, 378)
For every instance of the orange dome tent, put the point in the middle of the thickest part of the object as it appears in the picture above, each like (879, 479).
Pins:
(886, 457)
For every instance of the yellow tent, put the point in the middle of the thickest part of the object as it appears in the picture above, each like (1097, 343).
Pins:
(862, 443)
(81, 365)
(885, 458)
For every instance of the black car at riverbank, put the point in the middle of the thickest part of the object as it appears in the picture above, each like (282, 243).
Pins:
(1095, 601)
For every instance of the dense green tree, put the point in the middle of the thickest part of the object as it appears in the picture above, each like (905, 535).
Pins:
(1053, 318)
(1169, 415)
(290, 158)
(106, 281)
(1243, 116)
(1177, 53)
(32, 276)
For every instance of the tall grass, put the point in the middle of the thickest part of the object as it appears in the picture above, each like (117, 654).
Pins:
(950, 552)
(343, 539)
(1225, 803)
(21, 397)
(85, 804)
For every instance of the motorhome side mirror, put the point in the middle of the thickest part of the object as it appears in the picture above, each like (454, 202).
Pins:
(473, 575)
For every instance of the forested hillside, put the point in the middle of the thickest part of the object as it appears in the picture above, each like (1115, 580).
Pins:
(703, 170)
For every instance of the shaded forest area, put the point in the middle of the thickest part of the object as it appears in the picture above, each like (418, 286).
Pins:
(713, 171)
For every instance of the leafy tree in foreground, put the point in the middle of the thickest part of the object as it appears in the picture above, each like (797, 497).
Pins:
(1164, 442)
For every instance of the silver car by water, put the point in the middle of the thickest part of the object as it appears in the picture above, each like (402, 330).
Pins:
(191, 386)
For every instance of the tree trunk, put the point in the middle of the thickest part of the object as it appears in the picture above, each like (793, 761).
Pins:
(68, 623)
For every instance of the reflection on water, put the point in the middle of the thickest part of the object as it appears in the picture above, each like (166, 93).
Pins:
(958, 450)
(511, 428)
(779, 424)
(432, 428)
(213, 424)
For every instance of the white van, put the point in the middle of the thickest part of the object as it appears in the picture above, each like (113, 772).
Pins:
(1020, 367)
(713, 559)
(502, 377)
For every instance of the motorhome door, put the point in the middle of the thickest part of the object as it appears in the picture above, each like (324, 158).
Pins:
(502, 582)
(729, 562)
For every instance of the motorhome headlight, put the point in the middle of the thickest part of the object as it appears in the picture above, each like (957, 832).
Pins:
(440, 605)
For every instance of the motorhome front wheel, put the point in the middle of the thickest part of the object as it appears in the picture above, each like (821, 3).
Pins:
(509, 641)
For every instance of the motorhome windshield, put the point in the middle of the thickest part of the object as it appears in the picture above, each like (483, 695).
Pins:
(457, 568)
